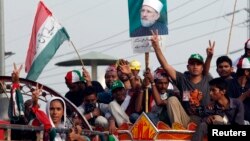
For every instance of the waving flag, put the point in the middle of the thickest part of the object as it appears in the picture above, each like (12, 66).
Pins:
(47, 36)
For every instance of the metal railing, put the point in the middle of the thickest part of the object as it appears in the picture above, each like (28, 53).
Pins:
(8, 127)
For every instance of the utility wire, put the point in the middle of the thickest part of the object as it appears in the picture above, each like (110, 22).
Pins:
(29, 14)
(202, 35)
(92, 9)
(179, 6)
(195, 23)
(88, 9)
(83, 11)
(203, 21)
(114, 46)
(193, 12)
(127, 30)
(115, 35)
(193, 38)
(86, 47)
(176, 64)
(178, 43)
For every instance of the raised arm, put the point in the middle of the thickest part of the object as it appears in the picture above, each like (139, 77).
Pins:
(35, 94)
(155, 92)
(140, 97)
(124, 67)
(15, 74)
(87, 77)
(155, 43)
(210, 53)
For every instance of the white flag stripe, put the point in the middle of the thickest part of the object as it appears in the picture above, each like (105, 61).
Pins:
(45, 34)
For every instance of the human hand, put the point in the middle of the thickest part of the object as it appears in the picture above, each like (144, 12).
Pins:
(145, 83)
(155, 39)
(217, 120)
(210, 49)
(78, 129)
(209, 119)
(2, 87)
(123, 66)
(147, 74)
(74, 134)
(36, 93)
(15, 73)
(86, 75)
(112, 127)
(96, 112)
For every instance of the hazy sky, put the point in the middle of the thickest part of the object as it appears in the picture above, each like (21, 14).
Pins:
(102, 25)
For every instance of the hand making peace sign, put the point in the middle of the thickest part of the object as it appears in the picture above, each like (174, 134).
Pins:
(15, 73)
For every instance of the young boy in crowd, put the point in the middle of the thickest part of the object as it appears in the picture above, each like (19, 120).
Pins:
(225, 111)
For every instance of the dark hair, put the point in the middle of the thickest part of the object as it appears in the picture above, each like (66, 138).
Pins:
(160, 71)
(241, 72)
(219, 83)
(245, 48)
(61, 102)
(98, 87)
(89, 91)
(222, 59)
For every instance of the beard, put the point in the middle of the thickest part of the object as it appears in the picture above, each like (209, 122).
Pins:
(123, 78)
(147, 23)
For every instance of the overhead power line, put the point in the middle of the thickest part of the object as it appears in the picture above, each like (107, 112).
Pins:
(193, 12)
(90, 48)
(191, 39)
(179, 6)
(203, 21)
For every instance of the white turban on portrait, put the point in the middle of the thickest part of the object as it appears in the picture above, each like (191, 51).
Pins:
(155, 4)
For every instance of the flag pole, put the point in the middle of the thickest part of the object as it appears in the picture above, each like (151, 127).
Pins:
(230, 32)
(76, 52)
(146, 67)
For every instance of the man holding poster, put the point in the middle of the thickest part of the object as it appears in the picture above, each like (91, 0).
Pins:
(150, 13)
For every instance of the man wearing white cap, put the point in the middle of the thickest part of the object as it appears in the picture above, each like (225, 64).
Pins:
(150, 13)
(246, 53)
(239, 87)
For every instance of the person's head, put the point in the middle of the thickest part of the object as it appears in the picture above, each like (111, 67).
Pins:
(247, 48)
(224, 66)
(56, 110)
(97, 85)
(90, 95)
(110, 75)
(243, 67)
(150, 12)
(74, 80)
(135, 67)
(218, 89)
(161, 80)
(195, 65)
(122, 76)
(118, 91)
(27, 107)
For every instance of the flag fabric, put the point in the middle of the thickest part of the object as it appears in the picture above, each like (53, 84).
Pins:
(47, 36)
(16, 108)
(112, 138)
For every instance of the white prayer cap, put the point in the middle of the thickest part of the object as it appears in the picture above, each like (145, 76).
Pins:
(155, 4)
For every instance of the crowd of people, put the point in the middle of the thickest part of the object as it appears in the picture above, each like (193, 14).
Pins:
(195, 96)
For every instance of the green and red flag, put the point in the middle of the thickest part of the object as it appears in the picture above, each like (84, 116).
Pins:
(47, 36)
